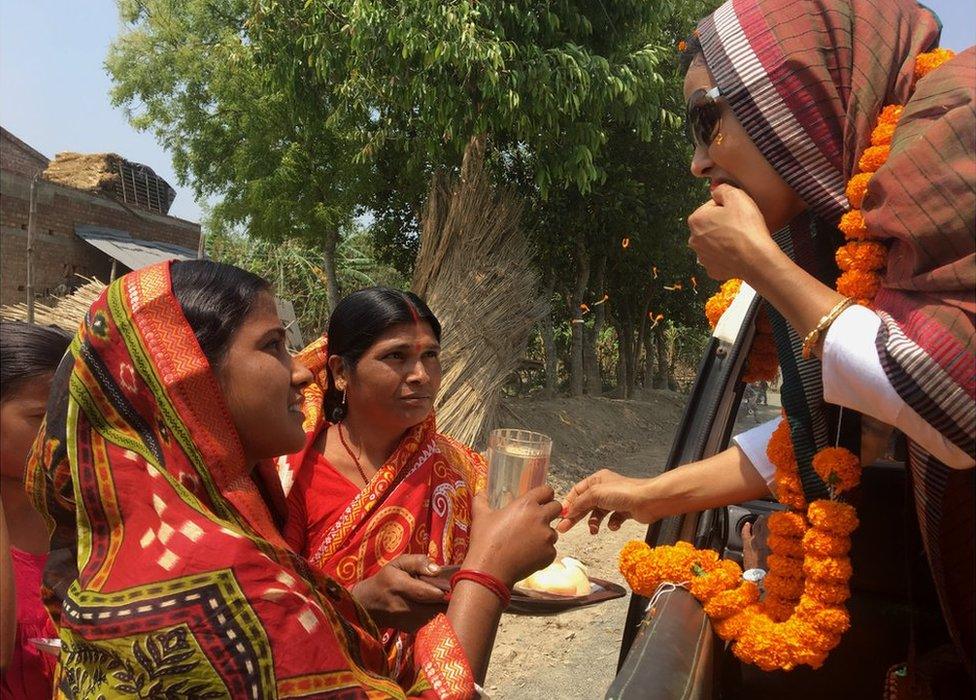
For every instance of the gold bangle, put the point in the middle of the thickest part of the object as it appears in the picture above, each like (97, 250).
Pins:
(828, 318)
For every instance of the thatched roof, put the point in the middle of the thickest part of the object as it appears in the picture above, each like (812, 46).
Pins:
(65, 312)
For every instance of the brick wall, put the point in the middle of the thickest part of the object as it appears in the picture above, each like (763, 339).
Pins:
(17, 157)
(58, 253)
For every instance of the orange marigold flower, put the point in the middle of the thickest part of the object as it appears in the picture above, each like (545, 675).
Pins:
(814, 643)
(861, 255)
(833, 516)
(838, 467)
(787, 524)
(682, 46)
(787, 546)
(825, 544)
(873, 158)
(859, 284)
(831, 619)
(857, 187)
(791, 497)
(645, 569)
(779, 609)
(852, 225)
(882, 134)
(891, 114)
(732, 626)
(763, 362)
(722, 576)
(925, 63)
(826, 592)
(832, 569)
(789, 567)
(721, 300)
(730, 602)
(769, 645)
(784, 587)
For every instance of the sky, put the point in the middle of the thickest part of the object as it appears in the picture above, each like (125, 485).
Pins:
(54, 88)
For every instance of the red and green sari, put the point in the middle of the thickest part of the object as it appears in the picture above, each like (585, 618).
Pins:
(419, 502)
(168, 576)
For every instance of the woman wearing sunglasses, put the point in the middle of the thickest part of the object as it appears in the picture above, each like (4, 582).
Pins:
(783, 97)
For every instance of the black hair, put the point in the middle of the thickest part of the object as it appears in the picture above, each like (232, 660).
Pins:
(359, 320)
(693, 48)
(215, 298)
(28, 351)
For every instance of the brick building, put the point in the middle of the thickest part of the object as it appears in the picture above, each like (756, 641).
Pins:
(126, 232)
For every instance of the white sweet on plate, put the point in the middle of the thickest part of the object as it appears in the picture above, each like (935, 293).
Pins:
(566, 577)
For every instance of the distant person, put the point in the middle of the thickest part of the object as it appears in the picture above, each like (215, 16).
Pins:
(29, 355)
(377, 496)
(782, 99)
(168, 575)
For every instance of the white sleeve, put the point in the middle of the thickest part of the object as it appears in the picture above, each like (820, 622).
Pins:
(853, 377)
(753, 443)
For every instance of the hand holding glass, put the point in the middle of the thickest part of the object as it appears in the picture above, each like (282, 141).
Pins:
(518, 461)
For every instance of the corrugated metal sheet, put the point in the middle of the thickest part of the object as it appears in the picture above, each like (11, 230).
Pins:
(132, 252)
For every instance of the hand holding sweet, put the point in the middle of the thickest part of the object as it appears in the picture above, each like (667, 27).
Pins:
(395, 598)
(604, 493)
(730, 237)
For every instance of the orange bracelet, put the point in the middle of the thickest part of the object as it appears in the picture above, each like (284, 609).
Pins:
(488, 581)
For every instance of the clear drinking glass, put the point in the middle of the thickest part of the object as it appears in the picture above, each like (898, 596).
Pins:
(518, 461)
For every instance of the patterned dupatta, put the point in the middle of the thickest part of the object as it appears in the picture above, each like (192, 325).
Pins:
(807, 80)
(167, 575)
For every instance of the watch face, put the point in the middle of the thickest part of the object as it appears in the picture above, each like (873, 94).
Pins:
(754, 575)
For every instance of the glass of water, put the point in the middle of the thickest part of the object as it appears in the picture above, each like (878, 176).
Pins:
(518, 461)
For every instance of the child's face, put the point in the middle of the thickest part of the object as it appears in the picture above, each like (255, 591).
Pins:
(20, 418)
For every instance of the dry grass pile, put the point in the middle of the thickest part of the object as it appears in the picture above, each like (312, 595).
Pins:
(93, 172)
(475, 271)
(65, 312)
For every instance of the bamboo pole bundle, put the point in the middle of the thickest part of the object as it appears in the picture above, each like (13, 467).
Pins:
(475, 271)
(65, 312)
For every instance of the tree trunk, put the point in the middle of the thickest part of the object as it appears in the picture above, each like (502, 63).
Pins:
(648, 361)
(548, 334)
(661, 345)
(629, 357)
(672, 362)
(329, 263)
(639, 344)
(576, 315)
(591, 359)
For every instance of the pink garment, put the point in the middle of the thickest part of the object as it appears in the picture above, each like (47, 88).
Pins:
(31, 672)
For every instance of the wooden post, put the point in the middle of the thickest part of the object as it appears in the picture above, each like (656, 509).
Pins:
(31, 220)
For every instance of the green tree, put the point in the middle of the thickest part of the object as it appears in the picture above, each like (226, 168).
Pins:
(295, 268)
(280, 168)
(425, 77)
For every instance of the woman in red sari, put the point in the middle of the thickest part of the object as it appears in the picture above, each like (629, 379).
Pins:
(376, 484)
(167, 574)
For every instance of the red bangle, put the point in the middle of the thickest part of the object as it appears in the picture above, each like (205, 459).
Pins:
(488, 581)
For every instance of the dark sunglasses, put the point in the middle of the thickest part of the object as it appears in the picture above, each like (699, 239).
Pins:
(702, 116)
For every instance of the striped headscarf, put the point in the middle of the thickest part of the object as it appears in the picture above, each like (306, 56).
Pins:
(807, 80)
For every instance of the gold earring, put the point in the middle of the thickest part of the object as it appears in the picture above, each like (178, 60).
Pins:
(719, 137)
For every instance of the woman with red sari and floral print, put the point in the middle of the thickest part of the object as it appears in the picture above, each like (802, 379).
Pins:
(167, 574)
(377, 495)
(816, 121)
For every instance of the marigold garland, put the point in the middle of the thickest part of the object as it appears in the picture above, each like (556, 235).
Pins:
(762, 363)
(802, 617)
(838, 468)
